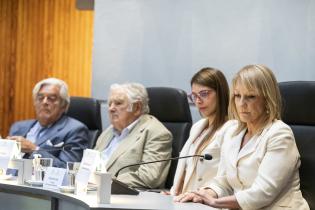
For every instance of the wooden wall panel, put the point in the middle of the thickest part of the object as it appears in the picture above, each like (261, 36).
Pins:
(41, 38)
(8, 13)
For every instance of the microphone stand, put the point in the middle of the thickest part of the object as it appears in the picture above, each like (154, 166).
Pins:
(206, 156)
(119, 187)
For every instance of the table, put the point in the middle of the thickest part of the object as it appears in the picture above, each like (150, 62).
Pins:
(15, 197)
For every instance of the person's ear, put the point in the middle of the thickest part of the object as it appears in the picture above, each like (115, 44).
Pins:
(65, 108)
(137, 107)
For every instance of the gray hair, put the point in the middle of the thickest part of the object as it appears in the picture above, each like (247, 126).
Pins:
(63, 89)
(135, 93)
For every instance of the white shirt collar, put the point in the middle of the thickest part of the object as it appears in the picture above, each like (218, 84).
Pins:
(127, 129)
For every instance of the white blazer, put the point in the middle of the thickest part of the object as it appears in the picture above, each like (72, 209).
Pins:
(205, 170)
(264, 174)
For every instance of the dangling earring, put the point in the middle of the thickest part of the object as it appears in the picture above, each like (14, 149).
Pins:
(267, 110)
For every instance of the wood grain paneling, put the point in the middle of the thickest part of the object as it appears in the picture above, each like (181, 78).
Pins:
(8, 13)
(40, 39)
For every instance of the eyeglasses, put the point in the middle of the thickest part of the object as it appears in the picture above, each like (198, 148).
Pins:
(50, 99)
(203, 94)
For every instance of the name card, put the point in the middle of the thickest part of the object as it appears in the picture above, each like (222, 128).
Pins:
(53, 178)
(88, 165)
(23, 167)
(7, 148)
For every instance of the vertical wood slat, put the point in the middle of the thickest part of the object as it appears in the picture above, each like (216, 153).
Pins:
(8, 12)
(39, 39)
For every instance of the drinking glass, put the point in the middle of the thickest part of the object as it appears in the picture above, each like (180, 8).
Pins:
(17, 151)
(45, 162)
(72, 169)
(41, 168)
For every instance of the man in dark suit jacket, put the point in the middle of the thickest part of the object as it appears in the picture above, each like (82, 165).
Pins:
(51, 131)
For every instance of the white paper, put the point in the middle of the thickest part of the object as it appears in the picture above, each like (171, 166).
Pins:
(88, 165)
(7, 148)
(53, 177)
(104, 183)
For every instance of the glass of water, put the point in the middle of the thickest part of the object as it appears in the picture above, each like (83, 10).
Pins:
(72, 169)
(41, 168)
(17, 150)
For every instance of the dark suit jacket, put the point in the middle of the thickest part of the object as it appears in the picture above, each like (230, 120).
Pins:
(73, 133)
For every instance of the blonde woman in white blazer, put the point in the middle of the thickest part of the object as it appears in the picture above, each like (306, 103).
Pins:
(210, 94)
(259, 160)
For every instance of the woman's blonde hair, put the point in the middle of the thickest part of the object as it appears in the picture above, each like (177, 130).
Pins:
(260, 79)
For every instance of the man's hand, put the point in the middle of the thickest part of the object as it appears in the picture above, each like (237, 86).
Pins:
(26, 145)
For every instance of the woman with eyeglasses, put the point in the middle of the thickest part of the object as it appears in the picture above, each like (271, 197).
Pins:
(210, 94)
(260, 161)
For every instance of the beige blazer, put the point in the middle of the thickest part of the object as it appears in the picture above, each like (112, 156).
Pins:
(149, 140)
(264, 174)
(204, 170)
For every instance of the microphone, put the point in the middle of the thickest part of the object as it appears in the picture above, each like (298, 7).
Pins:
(202, 157)
(119, 187)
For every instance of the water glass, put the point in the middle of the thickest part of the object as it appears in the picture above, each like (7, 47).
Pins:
(17, 150)
(72, 169)
(46, 162)
(41, 166)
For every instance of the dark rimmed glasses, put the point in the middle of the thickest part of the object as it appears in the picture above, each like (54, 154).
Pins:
(201, 95)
